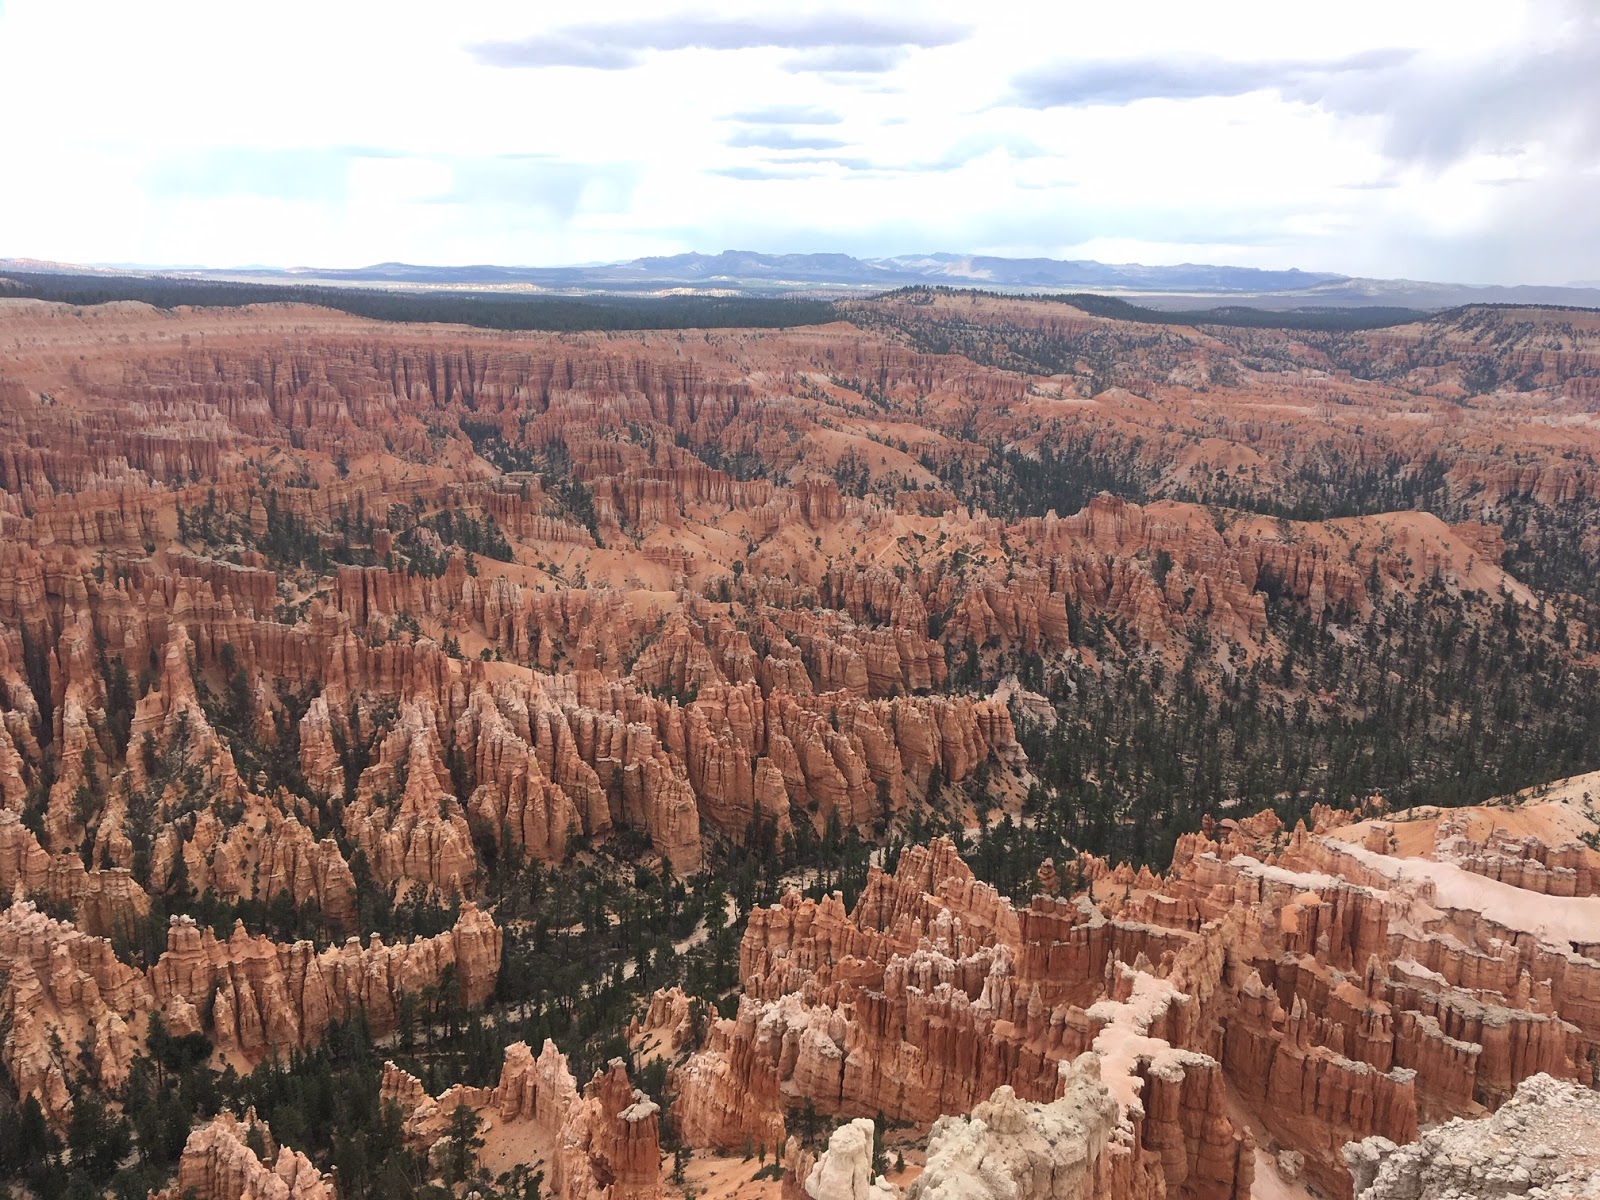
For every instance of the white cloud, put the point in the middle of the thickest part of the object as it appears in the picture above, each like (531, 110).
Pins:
(1450, 139)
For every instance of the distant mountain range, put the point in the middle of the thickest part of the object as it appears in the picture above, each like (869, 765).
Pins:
(740, 271)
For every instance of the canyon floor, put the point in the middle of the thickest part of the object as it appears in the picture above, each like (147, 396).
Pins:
(970, 748)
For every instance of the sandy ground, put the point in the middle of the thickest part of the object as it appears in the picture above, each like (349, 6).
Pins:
(504, 1146)
(1270, 1183)
(724, 1178)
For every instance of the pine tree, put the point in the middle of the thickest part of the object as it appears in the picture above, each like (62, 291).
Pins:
(464, 1142)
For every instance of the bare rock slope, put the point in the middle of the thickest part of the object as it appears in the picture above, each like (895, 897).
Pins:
(1543, 1142)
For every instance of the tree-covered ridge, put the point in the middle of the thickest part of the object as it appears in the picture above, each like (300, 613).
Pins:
(485, 310)
(1320, 317)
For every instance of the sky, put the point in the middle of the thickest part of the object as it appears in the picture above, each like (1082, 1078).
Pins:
(1453, 140)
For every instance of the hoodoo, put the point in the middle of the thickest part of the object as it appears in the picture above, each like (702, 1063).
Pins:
(975, 746)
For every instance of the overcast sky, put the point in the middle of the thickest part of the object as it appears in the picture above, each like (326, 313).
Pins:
(1451, 140)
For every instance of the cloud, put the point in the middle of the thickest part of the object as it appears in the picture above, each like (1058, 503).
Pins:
(1432, 110)
(849, 164)
(1436, 114)
(778, 138)
(760, 173)
(620, 44)
(961, 152)
(556, 187)
(305, 173)
(787, 114)
(846, 60)
(1083, 84)
(555, 50)
(1390, 163)
(964, 149)
(1541, 232)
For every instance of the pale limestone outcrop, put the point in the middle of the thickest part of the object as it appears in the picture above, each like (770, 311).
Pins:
(844, 1169)
(266, 853)
(1544, 1141)
(667, 1025)
(1011, 1149)
(609, 1147)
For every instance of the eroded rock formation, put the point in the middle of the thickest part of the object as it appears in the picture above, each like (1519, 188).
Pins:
(844, 1169)
(1332, 989)
(217, 1164)
(1012, 1148)
(300, 611)
(931, 995)
(601, 1144)
(250, 995)
(1544, 1141)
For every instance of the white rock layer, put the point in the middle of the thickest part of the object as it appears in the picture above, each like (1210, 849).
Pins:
(1543, 1143)
(844, 1172)
(1011, 1149)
